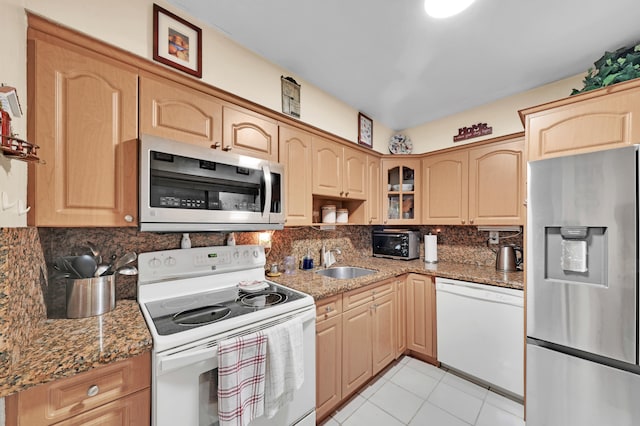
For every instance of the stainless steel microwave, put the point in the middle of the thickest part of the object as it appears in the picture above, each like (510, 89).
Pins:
(190, 188)
(396, 244)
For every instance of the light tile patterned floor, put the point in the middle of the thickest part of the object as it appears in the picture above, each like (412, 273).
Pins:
(415, 393)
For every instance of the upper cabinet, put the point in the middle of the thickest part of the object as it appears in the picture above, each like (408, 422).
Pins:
(601, 119)
(178, 112)
(401, 186)
(481, 185)
(374, 207)
(83, 115)
(295, 154)
(338, 171)
(249, 133)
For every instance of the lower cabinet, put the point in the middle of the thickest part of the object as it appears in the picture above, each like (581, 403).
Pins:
(401, 316)
(328, 355)
(421, 316)
(116, 394)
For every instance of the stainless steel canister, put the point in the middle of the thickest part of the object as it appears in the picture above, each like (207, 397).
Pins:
(87, 297)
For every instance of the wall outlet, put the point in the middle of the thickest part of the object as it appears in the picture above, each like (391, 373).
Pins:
(494, 237)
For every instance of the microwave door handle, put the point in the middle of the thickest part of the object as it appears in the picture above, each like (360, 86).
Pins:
(267, 199)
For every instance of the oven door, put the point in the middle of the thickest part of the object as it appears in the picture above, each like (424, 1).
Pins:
(393, 245)
(185, 382)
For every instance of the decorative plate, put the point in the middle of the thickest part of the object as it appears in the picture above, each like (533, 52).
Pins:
(400, 144)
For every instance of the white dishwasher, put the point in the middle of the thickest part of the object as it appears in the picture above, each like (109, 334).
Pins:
(481, 332)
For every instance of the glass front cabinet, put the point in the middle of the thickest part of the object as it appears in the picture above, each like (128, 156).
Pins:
(401, 184)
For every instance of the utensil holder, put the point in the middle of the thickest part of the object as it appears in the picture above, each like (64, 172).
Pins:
(88, 297)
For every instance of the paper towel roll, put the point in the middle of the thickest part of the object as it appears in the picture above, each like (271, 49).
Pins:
(431, 248)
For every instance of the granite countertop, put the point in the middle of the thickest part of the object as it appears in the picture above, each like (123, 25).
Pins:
(320, 287)
(64, 347)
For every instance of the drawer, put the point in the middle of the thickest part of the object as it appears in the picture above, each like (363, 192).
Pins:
(355, 298)
(329, 308)
(59, 400)
(134, 409)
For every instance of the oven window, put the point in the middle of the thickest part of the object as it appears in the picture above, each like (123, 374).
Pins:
(387, 245)
(208, 398)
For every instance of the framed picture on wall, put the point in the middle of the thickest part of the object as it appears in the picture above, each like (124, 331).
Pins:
(365, 130)
(176, 42)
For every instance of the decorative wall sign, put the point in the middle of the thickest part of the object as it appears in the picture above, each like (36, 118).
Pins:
(290, 96)
(365, 130)
(477, 130)
(176, 42)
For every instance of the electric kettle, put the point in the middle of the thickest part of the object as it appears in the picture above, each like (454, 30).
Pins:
(507, 259)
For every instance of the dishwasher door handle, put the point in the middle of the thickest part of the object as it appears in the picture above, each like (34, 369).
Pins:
(480, 294)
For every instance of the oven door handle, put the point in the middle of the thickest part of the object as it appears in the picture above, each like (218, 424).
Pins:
(183, 359)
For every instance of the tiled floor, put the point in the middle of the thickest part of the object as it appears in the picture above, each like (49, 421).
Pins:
(416, 393)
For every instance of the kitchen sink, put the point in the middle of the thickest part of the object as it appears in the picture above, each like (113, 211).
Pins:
(345, 272)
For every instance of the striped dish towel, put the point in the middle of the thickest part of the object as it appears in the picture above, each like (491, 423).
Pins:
(241, 369)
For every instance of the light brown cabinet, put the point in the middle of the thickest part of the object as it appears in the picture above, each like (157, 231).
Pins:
(482, 185)
(401, 186)
(338, 171)
(178, 112)
(116, 394)
(593, 121)
(421, 316)
(374, 191)
(249, 133)
(295, 154)
(83, 115)
(368, 327)
(328, 355)
(401, 316)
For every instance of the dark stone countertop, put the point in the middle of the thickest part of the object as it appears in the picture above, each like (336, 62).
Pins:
(62, 348)
(320, 287)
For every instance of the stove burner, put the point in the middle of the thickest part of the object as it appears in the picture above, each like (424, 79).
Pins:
(203, 315)
(260, 300)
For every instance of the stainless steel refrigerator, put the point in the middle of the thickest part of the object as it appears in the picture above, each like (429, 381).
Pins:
(582, 290)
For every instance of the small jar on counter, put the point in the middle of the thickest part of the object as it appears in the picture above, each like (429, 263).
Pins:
(342, 216)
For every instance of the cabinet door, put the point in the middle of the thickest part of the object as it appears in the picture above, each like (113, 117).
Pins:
(384, 332)
(373, 216)
(177, 112)
(496, 184)
(328, 365)
(401, 316)
(249, 133)
(356, 348)
(401, 183)
(592, 124)
(446, 197)
(355, 174)
(83, 115)
(295, 154)
(421, 320)
(327, 167)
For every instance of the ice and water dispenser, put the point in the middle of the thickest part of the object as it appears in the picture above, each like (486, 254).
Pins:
(576, 254)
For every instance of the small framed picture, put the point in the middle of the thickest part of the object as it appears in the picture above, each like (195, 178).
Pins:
(176, 42)
(365, 130)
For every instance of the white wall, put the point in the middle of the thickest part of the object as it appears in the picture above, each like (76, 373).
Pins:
(501, 115)
(13, 173)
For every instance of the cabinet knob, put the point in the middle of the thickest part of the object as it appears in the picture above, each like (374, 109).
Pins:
(346, 194)
(471, 221)
(341, 192)
(216, 145)
(328, 309)
(464, 221)
(524, 203)
(128, 218)
(93, 390)
(226, 148)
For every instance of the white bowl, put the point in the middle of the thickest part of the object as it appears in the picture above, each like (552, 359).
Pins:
(407, 187)
(395, 187)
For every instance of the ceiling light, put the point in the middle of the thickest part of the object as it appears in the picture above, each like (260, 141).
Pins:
(445, 8)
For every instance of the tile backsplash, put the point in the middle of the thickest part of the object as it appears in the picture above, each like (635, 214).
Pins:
(35, 249)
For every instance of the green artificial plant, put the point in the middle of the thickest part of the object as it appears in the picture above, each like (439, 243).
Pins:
(613, 67)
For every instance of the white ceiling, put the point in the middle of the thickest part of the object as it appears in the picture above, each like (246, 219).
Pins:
(389, 60)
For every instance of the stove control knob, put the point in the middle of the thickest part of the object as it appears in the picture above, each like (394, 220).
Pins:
(236, 254)
(170, 261)
(155, 262)
(255, 253)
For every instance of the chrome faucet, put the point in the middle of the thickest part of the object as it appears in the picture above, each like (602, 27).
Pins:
(325, 255)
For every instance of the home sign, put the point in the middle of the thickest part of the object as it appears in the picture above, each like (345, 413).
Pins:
(477, 130)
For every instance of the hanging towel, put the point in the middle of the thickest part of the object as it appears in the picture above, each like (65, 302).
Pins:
(285, 365)
(241, 378)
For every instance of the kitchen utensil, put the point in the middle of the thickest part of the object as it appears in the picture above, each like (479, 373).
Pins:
(68, 267)
(128, 270)
(507, 259)
(122, 260)
(93, 248)
(90, 296)
(85, 265)
(101, 269)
